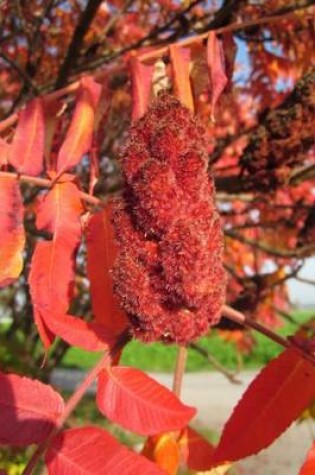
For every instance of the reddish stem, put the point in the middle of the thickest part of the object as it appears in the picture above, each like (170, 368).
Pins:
(241, 319)
(179, 370)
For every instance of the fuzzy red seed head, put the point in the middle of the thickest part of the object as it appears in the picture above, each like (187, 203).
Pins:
(168, 275)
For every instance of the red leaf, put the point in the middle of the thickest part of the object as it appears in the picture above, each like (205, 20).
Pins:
(79, 136)
(198, 452)
(59, 212)
(27, 150)
(230, 49)
(142, 75)
(51, 278)
(11, 230)
(216, 65)
(279, 394)
(4, 152)
(132, 399)
(180, 59)
(308, 467)
(91, 450)
(101, 253)
(90, 336)
(28, 410)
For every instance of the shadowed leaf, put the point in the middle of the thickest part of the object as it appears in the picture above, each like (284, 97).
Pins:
(101, 253)
(28, 410)
(216, 67)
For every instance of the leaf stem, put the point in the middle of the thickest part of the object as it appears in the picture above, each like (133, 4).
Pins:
(179, 370)
(74, 400)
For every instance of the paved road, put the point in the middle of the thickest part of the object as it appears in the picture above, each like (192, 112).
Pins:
(215, 398)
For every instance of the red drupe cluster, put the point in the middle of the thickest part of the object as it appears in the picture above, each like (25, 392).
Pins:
(168, 274)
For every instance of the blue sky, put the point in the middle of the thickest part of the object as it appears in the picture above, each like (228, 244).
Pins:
(303, 294)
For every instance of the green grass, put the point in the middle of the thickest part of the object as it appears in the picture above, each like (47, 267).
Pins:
(158, 357)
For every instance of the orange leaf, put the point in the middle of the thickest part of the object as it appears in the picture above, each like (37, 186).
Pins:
(180, 59)
(11, 230)
(79, 136)
(308, 467)
(198, 452)
(279, 394)
(101, 253)
(164, 451)
(141, 87)
(132, 399)
(27, 149)
(216, 66)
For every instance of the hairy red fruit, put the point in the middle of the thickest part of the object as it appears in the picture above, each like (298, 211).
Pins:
(168, 275)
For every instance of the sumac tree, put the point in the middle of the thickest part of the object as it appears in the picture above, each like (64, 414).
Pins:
(208, 111)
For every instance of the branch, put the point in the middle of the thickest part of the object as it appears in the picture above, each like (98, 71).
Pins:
(47, 183)
(23, 75)
(241, 319)
(74, 48)
(215, 363)
(298, 252)
(231, 27)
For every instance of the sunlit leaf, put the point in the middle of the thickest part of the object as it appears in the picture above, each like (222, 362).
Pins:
(278, 395)
(132, 399)
(91, 450)
(27, 149)
(11, 230)
(79, 136)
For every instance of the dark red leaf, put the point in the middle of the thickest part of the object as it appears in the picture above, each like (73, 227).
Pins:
(28, 410)
(27, 149)
(91, 450)
(279, 394)
(11, 230)
(132, 399)
(101, 253)
(216, 66)
(198, 452)
(308, 467)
